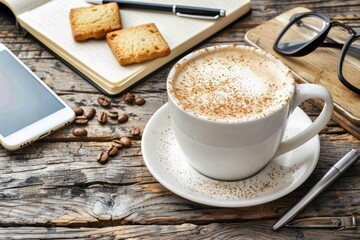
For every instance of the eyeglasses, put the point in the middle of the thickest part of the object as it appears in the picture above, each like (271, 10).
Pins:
(307, 31)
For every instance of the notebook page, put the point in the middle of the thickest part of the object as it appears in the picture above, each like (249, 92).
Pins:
(95, 55)
(20, 6)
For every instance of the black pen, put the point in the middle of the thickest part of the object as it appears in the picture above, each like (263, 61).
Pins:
(178, 10)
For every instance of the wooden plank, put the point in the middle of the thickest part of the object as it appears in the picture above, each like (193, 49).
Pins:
(247, 230)
(114, 206)
(61, 184)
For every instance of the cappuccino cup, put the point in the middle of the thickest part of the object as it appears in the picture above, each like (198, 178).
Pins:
(229, 107)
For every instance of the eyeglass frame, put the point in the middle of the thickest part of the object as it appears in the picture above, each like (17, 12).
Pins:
(319, 41)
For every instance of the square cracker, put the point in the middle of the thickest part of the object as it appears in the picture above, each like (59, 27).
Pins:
(137, 44)
(94, 21)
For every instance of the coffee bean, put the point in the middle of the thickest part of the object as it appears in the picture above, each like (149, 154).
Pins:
(81, 120)
(112, 151)
(103, 157)
(79, 132)
(126, 141)
(113, 114)
(104, 101)
(123, 118)
(102, 118)
(135, 131)
(90, 113)
(140, 101)
(78, 111)
(128, 97)
(117, 143)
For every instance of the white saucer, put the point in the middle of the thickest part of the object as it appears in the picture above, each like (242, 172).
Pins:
(282, 175)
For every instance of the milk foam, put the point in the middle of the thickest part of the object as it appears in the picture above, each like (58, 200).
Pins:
(231, 84)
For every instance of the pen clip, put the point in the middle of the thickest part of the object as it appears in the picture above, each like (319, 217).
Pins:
(197, 16)
(340, 223)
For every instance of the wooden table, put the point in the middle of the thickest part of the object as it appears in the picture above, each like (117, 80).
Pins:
(56, 189)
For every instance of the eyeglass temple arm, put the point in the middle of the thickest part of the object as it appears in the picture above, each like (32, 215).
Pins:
(354, 50)
(332, 45)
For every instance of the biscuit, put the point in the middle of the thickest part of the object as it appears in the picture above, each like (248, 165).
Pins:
(137, 44)
(94, 21)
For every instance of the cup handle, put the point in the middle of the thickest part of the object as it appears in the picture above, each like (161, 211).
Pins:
(302, 93)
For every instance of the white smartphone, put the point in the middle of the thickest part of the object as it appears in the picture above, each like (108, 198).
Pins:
(29, 110)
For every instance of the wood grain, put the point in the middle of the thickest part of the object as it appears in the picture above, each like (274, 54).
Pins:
(55, 188)
(246, 230)
(72, 189)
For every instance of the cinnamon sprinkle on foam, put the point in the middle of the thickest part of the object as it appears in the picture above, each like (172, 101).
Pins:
(232, 84)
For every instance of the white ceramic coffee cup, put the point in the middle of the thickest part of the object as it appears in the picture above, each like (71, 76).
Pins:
(237, 150)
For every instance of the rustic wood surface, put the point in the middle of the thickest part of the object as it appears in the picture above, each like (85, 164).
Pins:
(55, 188)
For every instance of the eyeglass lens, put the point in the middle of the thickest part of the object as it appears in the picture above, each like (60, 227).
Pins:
(351, 64)
(301, 32)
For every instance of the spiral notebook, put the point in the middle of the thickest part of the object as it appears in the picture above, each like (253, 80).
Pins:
(48, 21)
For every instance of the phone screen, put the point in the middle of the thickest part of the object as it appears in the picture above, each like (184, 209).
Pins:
(23, 100)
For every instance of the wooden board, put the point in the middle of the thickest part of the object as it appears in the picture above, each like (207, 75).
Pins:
(318, 67)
